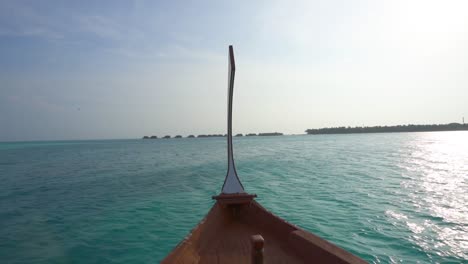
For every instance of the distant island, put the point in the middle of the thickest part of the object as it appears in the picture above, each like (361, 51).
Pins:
(211, 135)
(217, 135)
(270, 134)
(388, 129)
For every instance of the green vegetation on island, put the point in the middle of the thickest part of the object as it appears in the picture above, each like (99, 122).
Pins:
(388, 129)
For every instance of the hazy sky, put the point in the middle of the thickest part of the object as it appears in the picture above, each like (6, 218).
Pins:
(124, 69)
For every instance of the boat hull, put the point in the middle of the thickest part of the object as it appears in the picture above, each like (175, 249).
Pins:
(224, 236)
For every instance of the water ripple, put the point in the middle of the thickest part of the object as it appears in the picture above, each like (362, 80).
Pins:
(389, 198)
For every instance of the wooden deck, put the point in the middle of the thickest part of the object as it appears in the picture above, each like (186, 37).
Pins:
(224, 236)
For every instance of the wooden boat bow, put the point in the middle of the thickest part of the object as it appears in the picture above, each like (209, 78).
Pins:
(237, 229)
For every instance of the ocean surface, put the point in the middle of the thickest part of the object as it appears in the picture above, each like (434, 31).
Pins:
(388, 198)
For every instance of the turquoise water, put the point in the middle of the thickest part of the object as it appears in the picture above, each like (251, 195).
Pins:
(388, 198)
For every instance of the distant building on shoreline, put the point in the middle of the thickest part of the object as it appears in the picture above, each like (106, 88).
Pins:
(217, 135)
(270, 134)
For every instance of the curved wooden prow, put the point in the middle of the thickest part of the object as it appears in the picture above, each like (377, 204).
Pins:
(232, 183)
(223, 235)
